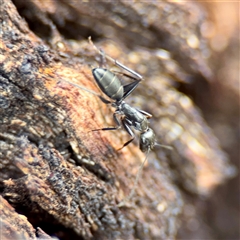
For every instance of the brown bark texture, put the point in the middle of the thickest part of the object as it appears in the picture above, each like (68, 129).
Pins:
(60, 179)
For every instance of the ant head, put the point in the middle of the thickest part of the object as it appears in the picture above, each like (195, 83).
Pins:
(148, 141)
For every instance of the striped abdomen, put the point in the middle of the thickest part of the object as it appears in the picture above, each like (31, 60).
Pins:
(109, 83)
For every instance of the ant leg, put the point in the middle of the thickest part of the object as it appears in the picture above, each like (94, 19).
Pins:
(125, 74)
(140, 77)
(129, 131)
(137, 75)
(148, 115)
(104, 100)
(128, 88)
(111, 128)
(103, 61)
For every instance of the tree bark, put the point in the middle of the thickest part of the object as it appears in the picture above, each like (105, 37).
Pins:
(67, 179)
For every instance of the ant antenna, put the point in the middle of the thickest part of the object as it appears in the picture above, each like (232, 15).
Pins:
(139, 174)
(164, 146)
(135, 182)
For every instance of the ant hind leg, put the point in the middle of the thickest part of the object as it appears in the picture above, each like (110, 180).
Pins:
(120, 65)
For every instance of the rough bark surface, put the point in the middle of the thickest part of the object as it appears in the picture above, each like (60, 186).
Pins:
(62, 179)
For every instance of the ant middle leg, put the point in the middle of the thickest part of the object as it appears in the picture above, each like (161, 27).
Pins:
(129, 131)
(111, 128)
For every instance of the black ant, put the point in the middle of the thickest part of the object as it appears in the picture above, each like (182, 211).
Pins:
(112, 87)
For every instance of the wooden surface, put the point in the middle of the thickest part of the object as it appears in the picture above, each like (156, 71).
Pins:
(63, 177)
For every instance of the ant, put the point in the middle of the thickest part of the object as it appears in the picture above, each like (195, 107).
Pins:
(130, 117)
(111, 86)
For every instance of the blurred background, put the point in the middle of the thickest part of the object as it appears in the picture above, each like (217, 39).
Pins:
(188, 53)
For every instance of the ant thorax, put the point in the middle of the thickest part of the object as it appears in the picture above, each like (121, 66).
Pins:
(134, 117)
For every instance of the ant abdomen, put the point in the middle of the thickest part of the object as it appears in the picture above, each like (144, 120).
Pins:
(109, 83)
